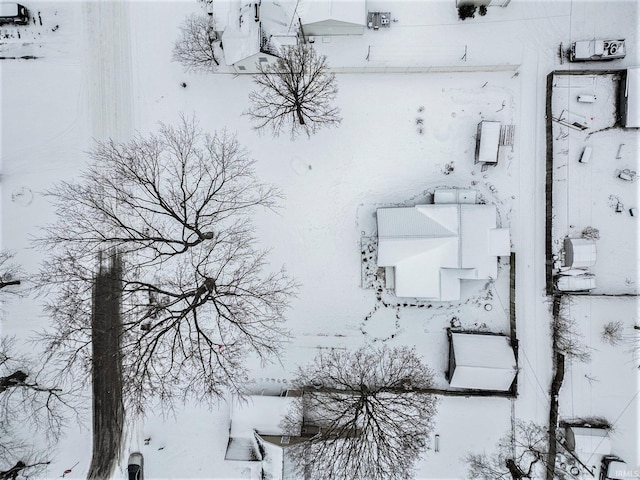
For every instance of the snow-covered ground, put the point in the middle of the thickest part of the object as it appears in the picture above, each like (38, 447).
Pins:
(607, 386)
(104, 70)
(588, 194)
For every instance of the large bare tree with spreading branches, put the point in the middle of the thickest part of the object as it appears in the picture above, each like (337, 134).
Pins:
(197, 296)
(295, 94)
(33, 410)
(196, 46)
(519, 454)
(366, 412)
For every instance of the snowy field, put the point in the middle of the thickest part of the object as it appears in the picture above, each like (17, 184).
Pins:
(104, 70)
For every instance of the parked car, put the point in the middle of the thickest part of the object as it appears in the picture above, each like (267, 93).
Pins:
(614, 468)
(590, 50)
(136, 466)
(13, 13)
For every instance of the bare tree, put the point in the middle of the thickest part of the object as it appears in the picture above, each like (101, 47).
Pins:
(10, 273)
(30, 408)
(196, 299)
(295, 93)
(195, 48)
(28, 396)
(367, 416)
(31, 467)
(567, 339)
(519, 454)
(612, 332)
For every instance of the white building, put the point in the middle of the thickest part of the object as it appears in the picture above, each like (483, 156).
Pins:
(332, 17)
(429, 249)
(256, 414)
(254, 35)
(481, 362)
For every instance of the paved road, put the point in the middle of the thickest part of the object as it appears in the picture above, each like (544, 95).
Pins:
(109, 69)
(108, 408)
(108, 80)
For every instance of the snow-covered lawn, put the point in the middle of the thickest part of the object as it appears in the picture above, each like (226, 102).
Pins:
(607, 386)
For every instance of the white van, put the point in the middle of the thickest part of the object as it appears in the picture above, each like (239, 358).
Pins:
(13, 13)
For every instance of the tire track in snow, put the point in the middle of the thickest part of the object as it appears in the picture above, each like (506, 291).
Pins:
(109, 74)
(109, 86)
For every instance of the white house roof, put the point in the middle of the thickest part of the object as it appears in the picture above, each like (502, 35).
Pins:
(455, 195)
(241, 37)
(484, 362)
(633, 97)
(432, 247)
(260, 413)
(348, 11)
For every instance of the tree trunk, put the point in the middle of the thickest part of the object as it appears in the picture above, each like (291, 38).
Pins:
(13, 472)
(299, 113)
(12, 282)
(514, 470)
(16, 378)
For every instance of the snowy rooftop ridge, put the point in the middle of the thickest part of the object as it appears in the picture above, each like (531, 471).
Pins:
(432, 247)
(260, 413)
(350, 11)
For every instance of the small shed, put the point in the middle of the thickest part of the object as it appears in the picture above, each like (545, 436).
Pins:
(481, 362)
(487, 142)
(579, 252)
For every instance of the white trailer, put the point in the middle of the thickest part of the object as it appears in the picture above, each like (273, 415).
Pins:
(593, 50)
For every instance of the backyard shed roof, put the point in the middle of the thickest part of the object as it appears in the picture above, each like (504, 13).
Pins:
(489, 132)
(633, 98)
(588, 440)
(482, 362)
(579, 252)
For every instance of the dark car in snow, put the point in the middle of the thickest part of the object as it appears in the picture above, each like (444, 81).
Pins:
(136, 466)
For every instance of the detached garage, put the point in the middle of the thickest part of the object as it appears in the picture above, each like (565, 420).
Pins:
(332, 17)
(481, 362)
